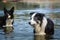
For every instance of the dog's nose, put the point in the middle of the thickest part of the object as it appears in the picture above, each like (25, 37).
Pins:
(29, 23)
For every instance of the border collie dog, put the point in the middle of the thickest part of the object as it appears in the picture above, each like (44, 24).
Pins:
(41, 24)
(7, 19)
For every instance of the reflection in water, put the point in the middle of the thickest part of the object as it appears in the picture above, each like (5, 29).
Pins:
(8, 29)
(42, 37)
(9, 36)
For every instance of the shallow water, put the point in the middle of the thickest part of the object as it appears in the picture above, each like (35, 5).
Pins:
(23, 31)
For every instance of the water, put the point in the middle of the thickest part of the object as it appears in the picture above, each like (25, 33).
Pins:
(23, 31)
(41, 10)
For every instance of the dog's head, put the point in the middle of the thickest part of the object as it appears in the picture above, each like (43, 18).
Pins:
(8, 16)
(36, 18)
(8, 13)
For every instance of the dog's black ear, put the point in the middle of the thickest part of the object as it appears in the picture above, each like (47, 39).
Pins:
(12, 10)
(32, 13)
(41, 14)
(5, 10)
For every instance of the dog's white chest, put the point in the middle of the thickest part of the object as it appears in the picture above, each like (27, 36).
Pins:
(41, 30)
(9, 22)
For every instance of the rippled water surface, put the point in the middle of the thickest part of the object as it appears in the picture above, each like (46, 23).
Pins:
(23, 31)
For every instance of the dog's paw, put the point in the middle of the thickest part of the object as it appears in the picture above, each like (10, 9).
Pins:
(40, 33)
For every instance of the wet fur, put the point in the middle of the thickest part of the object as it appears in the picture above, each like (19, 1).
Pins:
(42, 24)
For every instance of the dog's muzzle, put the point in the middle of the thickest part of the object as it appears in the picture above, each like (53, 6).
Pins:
(31, 24)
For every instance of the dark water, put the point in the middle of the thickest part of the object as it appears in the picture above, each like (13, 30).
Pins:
(23, 31)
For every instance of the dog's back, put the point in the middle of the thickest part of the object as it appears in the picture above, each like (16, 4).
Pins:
(49, 27)
(2, 21)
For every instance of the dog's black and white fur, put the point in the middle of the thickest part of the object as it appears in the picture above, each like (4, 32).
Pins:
(7, 19)
(41, 24)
